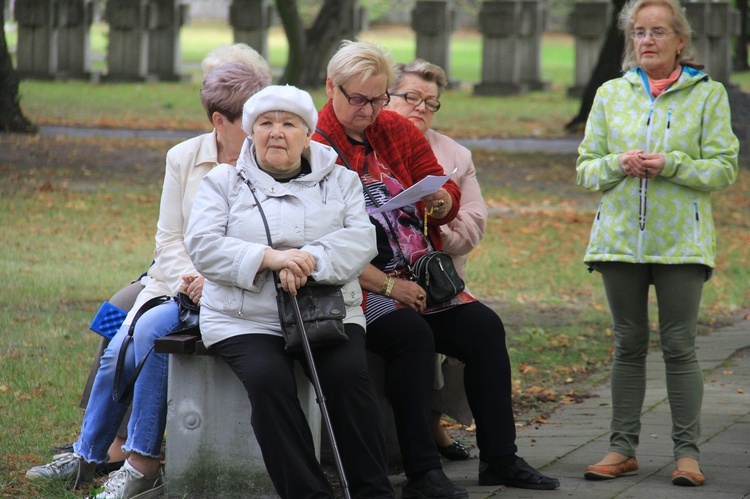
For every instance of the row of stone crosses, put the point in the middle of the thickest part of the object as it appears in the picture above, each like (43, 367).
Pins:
(144, 38)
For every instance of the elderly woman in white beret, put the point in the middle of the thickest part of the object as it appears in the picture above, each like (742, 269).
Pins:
(319, 230)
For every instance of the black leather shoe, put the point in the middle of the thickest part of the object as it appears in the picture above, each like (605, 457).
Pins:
(433, 485)
(519, 474)
(455, 451)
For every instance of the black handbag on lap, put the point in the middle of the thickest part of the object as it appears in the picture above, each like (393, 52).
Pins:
(323, 311)
(189, 316)
(437, 275)
(321, 305)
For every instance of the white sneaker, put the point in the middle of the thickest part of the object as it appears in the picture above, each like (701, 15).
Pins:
(129, 483)
(67, 467)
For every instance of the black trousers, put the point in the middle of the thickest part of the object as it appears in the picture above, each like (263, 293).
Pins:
(267, 372)
(475, 335)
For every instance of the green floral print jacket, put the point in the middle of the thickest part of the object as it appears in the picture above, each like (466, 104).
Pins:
(666, 219)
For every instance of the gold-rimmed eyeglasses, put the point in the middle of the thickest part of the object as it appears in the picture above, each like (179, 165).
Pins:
(361, 100)
(431, 104)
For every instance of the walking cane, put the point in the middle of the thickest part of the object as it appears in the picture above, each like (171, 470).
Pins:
(319, 395)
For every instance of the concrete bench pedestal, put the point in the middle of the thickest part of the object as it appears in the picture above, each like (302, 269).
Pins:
(211, 448)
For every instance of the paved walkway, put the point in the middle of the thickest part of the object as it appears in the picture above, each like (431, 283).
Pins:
(563, 145)
(577, 435)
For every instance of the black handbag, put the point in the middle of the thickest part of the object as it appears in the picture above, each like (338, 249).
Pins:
(323, 310)
(437, 275)
(321, 305)
(189, 314)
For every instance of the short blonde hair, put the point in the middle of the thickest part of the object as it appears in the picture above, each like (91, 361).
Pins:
(360, 60)
(239, 52)
(428, 71)
(680, 26)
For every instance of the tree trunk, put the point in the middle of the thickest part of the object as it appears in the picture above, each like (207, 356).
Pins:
(288, 11)
(11, 117)
(310, 50)
(607, 67)
(740, 49)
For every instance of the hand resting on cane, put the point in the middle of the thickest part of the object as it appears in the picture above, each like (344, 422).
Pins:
(294, 267)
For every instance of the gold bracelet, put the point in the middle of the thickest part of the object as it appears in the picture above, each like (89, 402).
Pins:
(384, 286)
(387, 287)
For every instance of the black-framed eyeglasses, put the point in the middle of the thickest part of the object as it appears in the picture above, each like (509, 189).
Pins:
(656, 34)
(360, 100)
(432, 105)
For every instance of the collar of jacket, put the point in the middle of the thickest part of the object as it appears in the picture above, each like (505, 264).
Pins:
(690, 76)
(322, 161)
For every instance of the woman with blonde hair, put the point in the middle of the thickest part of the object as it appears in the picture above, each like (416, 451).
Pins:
(658, 141)
(390, 155)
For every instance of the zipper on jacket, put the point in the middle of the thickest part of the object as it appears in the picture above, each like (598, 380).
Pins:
(643, 184)
(642, 203)
(597, 221)
(696, 222)
(648, 127)
(668, 130)
(643, 188)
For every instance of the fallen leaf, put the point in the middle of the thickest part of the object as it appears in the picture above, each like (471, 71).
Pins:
(526, 369)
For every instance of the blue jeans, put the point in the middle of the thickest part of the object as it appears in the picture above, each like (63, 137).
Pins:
(149, 416)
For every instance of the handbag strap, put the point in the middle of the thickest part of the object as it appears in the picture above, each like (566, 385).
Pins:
(120, 392)
(276, 278)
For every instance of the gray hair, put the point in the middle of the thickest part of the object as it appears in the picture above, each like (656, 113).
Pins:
(680, 26)
(428, 71)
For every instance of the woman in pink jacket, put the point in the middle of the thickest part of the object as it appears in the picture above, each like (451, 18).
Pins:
(415, 94)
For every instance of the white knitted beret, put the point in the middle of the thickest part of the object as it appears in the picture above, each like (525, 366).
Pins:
(279, 98)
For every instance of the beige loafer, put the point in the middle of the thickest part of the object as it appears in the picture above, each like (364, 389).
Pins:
(688, 478)
(609, 471)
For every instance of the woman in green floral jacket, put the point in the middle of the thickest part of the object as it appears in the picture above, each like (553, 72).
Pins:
(658, 141)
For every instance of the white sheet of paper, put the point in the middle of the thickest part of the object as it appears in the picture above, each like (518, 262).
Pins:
(428, 185)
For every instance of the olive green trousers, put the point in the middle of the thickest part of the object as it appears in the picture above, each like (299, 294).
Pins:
(678, 295)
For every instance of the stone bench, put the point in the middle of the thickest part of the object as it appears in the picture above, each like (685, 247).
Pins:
(211, 448)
